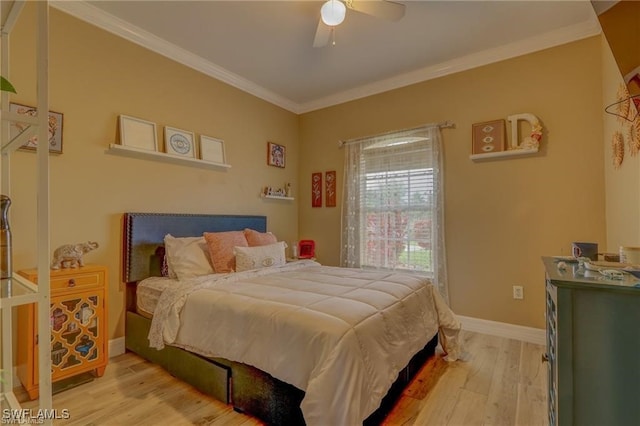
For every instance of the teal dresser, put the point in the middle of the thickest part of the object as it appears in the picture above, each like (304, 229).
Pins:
(593, 347)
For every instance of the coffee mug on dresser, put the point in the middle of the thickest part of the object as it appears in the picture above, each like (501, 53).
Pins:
(630, 255)
(589, 250)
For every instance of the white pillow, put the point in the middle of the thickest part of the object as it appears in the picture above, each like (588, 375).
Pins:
(187, 257)
(260, 256)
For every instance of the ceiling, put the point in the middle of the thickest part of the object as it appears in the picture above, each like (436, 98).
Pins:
(265, 47)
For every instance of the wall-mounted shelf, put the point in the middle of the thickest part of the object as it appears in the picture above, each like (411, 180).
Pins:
(277, 197)
(503, 154)
(127, 151)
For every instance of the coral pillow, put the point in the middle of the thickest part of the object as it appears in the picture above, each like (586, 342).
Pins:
(260, 257)
(221, 246)
(255, 238)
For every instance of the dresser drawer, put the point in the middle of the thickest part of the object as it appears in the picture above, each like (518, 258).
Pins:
(76, 281)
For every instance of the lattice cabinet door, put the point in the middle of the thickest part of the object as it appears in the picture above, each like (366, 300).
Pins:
(76, 334)
(78, 327)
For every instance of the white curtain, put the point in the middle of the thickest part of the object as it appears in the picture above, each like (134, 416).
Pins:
(393, 204)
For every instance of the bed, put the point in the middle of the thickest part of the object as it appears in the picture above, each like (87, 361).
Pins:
(255, 307)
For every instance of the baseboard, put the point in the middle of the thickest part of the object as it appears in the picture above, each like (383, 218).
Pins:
(502, 329)
(116, 347)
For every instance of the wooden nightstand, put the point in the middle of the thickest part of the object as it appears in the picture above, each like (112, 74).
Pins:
(78, 326)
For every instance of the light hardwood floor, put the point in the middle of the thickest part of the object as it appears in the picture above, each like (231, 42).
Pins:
(499, 382)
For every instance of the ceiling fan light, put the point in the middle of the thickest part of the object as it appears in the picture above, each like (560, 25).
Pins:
(333, 12)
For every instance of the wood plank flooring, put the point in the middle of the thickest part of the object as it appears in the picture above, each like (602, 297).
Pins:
(499, 382)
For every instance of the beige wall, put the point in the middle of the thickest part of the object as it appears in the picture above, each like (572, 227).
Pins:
(94, 77)
(501, 216)
(623, 183)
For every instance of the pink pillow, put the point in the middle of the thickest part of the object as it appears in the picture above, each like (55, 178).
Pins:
(255, 238)
(221, 246)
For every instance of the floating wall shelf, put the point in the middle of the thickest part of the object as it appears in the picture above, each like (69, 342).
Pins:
(277, 197)
(503, 154)
(164, 157)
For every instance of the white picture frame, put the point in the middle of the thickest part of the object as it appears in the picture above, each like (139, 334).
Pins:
(212, 150)
(138, 133)
(179, 143)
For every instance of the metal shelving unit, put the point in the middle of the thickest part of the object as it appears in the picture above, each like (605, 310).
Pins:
(16, 291)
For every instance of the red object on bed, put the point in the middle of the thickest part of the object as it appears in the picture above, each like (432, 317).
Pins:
(306, 249)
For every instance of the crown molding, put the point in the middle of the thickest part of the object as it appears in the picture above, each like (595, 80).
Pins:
(114, 25)
(95, 16)
(511, 50)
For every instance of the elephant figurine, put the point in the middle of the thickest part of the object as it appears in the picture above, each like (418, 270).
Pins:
(70, 255)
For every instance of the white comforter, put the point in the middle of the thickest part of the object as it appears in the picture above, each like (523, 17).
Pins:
(341, 335)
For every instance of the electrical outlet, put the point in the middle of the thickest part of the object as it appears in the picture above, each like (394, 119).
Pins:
(518, 292)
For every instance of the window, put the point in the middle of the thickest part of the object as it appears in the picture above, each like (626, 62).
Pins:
(396, 212)
(392, 208)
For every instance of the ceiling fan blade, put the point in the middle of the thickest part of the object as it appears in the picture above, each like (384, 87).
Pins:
(323, 34)
(383, 9)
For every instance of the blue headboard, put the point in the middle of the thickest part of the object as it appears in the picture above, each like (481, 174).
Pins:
(143, 233)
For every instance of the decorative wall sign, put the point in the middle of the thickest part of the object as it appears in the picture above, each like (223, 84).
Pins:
(330, 188)
(179, 142)
(488, 137)
(531, 142)
(316, 190)
(275, 154)
(55, 128)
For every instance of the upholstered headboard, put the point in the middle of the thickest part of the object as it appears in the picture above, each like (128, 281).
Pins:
(143, 233)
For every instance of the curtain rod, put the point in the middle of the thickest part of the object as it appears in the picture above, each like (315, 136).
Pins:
(442, 125)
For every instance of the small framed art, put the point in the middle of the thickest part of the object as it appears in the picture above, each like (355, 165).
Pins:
(179, 142)
(488, 137)
(212, 150)
(330, 188)
(275, 154)
(138, 133)
(55, 128)
(316, 189)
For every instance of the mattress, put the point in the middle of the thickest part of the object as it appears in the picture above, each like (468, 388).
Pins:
(148, 293)
(307, 325)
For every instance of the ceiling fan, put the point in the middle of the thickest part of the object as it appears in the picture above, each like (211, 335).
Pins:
(333, 13)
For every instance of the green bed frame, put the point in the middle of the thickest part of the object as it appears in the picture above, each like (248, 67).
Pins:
(247, 388)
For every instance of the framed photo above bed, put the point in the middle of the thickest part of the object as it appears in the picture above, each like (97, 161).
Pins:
(138, 133)
(179, 142)
(212, 150)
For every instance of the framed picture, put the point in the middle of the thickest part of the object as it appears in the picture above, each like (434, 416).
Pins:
(138, 133)
(212, 149)
(488, 137)
(179, 142)
(330, 188)
(55, 128)
(275, 154)
(316, 189)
